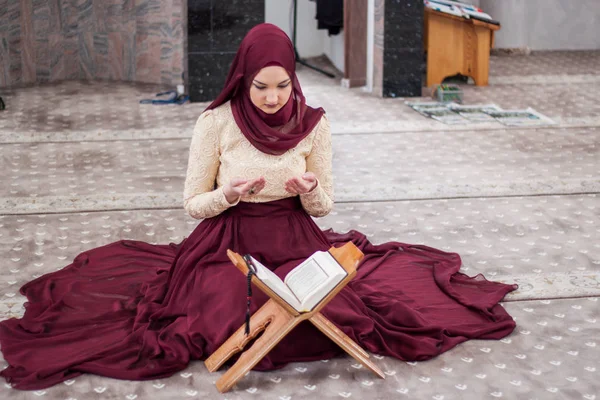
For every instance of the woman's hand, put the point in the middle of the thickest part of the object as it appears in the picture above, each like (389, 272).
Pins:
(240, 187)
(302, 184)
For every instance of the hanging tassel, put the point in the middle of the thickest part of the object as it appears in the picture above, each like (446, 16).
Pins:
(249, 296)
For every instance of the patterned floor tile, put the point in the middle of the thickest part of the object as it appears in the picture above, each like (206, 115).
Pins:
(567, 104)
(553, 354)
(108, 110)
(58, 177)
(546, 63)
(78, 146)
(548, 245)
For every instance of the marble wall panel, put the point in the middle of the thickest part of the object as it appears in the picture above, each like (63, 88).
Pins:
(4, 61)
(85, 48)
(4, 17)
(378, 31)
(129, 57)
(14, 49)
(71, 58)
(41, 19)
(147, 58)
(402, 49)
(101, 12)
(4, 51)
(207, 73)
(53, 40)
(101, 60)
(28, 41)
(215, 29)
(42, 59)
(57, 57)
(68, 18)
(116, 53)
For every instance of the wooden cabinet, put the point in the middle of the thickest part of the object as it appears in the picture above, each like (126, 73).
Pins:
(457, 45)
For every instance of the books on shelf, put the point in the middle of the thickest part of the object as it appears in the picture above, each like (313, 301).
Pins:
(459, 9)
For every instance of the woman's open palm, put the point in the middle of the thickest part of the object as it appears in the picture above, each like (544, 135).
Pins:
(301, 184)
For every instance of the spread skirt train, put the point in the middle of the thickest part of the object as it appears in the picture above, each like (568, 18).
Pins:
(133, 310)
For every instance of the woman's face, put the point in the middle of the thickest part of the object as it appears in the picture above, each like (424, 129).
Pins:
(271, 89)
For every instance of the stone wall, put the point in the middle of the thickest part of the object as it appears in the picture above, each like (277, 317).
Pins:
(121, 40)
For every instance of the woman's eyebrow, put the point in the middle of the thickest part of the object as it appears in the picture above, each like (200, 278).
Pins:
(264, 84)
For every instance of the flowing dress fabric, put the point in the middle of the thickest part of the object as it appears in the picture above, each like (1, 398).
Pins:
(133, 310)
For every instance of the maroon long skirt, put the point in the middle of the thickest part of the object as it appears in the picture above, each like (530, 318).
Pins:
(133, 310)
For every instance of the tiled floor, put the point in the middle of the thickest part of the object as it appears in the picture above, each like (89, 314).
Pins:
(85, 164)
(554, 84)
(546, 63)
(89, 175)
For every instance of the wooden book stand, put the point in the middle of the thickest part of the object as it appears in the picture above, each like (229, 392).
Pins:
(276, 318)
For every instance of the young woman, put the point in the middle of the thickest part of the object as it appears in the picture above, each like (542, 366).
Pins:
(259, 168)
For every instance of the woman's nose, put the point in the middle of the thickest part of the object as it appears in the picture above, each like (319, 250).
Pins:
(272, 97)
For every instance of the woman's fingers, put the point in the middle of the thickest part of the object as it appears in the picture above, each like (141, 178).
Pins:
(258, 181)
(236, 182)
(289, 188)
(248, 187)
(310, 179)
(256, 185)
(296, 186)
(306, 184)
(309, 176)
(257, 189)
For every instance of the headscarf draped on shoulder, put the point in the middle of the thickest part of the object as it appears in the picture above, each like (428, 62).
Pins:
(263, 46)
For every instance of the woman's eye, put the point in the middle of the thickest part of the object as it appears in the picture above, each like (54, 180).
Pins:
(279, 87)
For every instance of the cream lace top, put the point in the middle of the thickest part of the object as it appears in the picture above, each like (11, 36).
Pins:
(220, 152)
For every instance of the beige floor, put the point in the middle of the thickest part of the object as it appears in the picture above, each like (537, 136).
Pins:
(84, 164)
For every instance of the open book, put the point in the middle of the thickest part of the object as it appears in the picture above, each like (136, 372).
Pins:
(307, 284)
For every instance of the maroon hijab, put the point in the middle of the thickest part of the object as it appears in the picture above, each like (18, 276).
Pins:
(266, 45)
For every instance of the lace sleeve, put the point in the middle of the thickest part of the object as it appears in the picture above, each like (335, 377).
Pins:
(319, 201)
(200, 198)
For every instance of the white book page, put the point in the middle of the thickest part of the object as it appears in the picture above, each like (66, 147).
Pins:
(312, 280)
(305, 278)
(275, 284)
